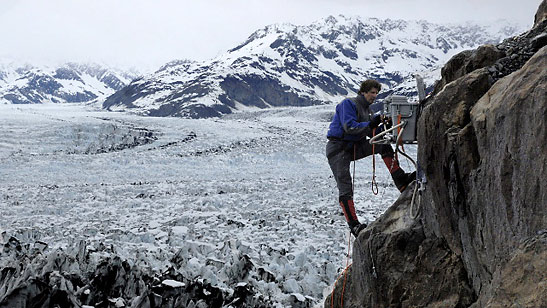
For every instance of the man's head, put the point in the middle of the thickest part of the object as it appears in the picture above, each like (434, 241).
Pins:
(369, 89)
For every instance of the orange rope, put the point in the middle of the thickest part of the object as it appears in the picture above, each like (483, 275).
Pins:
(345, 272)
(398, 131)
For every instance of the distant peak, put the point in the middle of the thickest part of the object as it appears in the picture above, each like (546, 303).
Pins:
(178, 62)
(275, 28)
(330, 20)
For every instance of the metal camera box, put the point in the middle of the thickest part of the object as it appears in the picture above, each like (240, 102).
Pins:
(399, 109)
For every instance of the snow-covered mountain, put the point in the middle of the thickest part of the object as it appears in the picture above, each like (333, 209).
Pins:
(68, 83)
(288, 65)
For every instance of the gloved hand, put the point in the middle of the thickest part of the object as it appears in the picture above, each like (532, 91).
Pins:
(375, 121)
(388, 123)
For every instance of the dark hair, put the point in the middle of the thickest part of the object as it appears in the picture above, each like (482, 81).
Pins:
(368, 85)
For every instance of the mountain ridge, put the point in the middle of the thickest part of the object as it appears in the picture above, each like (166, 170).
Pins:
(277, 65)
(70, 82)
(289, 65)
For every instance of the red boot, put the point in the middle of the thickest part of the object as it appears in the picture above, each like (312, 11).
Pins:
(400, 178)
(348, 207)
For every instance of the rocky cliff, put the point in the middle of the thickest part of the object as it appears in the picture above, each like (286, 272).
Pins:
(477, 234)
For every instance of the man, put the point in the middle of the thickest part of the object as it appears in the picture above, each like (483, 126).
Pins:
(352, 123)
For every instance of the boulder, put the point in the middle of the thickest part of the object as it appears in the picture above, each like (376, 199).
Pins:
(506, 192)
(485, 162)
(467, 61)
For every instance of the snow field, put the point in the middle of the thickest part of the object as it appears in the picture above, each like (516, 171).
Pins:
(253, 184)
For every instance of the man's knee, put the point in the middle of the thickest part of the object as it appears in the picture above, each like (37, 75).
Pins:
(345, 188)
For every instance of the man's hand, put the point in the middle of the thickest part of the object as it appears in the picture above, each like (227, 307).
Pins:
(387, 122)
(375, 121)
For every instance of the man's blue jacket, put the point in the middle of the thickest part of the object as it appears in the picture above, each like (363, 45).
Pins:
(351, 120)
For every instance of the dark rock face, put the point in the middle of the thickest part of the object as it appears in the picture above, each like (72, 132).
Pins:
(468, 61)
(501, 60)
(486, 196)
(526, 264)
(130, 94)
(479, 236)
(396, 264)
(516, 193)
(255, 90)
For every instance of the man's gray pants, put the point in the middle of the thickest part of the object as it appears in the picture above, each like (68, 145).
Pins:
(340, 155)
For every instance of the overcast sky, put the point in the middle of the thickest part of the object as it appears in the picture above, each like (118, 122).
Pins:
(150, 33)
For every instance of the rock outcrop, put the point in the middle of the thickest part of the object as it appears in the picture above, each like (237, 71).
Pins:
(395, 263)
(478, 235)
(541, 14)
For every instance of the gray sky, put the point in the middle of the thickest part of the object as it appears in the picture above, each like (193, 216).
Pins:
(150, 33)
